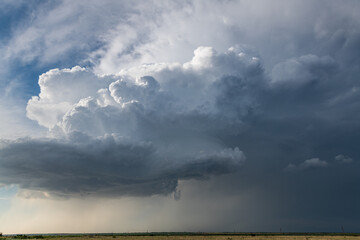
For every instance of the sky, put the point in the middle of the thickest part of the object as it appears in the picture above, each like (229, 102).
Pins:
(135, 116)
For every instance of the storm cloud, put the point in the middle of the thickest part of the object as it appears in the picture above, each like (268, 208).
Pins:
(252, 103)
(127, 135)
(106, 167)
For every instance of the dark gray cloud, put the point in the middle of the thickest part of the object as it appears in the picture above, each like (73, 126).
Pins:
(309, 163)
(84, 166)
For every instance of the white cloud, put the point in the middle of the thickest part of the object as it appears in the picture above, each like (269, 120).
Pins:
(309, 163)
(55, 31)
(317, 163)
(343, 159)
(59, 91)
(116, 103)
(313, 162)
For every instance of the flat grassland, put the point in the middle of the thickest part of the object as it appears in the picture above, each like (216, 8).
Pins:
(154, 236)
